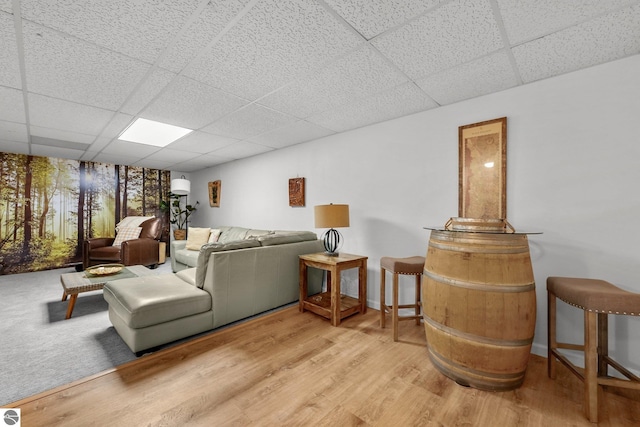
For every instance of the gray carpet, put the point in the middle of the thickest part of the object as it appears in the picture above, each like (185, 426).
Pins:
(39, 349)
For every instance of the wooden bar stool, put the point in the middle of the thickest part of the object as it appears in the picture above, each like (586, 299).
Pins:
(409, 266)
(598, 299)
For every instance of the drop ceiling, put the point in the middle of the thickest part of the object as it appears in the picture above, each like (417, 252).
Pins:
(251, 76)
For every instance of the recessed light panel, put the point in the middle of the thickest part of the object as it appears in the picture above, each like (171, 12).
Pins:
(149, 132)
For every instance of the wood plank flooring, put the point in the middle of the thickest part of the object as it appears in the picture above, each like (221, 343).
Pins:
(291, 368)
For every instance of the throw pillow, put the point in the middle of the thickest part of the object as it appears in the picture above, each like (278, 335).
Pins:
(131, 221)
(126, 233)
(215, 234)
(197, 237)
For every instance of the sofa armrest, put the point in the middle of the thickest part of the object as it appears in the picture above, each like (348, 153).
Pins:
(140, 252)
(176, 245)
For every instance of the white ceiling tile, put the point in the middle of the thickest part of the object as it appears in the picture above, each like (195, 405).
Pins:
(400, 101)
(450, 35)
(249, 121)
(199, 163)
(9, 65)
(191, 104)
(140, 29)
(67, 68)
(213, 19)
(62, 143)
(12, 105)
(201, 142)
(11, 131)
(61, 135)
(529, 19)
(118, 123)
(88, 155)
(492, 73)
(372, 17)
(296, 133)
(129, 148)
(68, 116)
(241, 149)
(600, 40)
(358, 74)
(99, 144)
(12, 146)
(6, 5)
(149, 89)
(58, 152)
(277, 41)
(154, 164)
(170, 155)
(115, 159)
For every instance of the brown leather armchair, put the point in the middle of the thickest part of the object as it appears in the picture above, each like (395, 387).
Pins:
(145, 250)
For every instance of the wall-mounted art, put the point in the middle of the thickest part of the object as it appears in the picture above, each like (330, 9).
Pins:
(49, 206)
(482, 183)
(296, 192)
(214, 193)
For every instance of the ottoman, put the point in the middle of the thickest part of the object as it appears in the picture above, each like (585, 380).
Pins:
(154, 310)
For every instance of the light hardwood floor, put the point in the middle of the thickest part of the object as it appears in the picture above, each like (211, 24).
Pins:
(289, 368)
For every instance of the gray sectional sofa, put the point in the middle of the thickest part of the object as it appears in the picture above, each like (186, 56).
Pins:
(245, 273)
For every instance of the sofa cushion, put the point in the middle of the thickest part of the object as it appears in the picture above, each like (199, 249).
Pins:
(186, 257)
(197, 237)
(188, 275)
(206, 250)
(232, 234)
(150, 300)
(280, 238)
(256, 234)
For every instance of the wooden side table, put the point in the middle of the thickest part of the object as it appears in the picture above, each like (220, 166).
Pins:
(331, 304)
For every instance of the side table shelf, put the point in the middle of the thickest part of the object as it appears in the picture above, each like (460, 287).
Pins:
(332, 304)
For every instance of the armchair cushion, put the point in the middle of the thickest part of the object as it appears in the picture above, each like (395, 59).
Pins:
(126, 233)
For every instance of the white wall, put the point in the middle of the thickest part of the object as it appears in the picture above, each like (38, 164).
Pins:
(573, 169)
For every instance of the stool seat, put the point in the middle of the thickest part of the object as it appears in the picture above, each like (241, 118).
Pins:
(595, 295)
(410, 265)
(598, 299)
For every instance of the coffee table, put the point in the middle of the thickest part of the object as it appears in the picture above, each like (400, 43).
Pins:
(77, 283)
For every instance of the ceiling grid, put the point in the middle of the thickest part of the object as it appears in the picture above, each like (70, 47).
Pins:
(251, 76)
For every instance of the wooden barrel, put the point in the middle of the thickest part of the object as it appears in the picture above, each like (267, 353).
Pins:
(479, 305)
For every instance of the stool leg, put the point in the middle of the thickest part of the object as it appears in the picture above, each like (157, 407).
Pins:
(395, 306)
(603, 344)
(383, 307)
(552, 343)
(418, 277)
(591, 366)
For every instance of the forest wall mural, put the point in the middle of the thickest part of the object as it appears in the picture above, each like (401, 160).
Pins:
(48, 207)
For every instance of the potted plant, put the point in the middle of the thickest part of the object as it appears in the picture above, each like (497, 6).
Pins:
(179, 216)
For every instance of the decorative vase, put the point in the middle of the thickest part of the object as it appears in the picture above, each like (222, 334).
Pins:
(180, 234)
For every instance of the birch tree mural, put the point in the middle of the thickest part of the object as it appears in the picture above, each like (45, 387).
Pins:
(49, 206)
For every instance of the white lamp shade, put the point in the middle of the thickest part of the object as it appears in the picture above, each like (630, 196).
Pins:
(180, 186)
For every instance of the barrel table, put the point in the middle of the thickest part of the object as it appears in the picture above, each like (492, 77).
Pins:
(479, 306)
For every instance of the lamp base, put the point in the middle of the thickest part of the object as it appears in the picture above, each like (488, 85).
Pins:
(332, 242)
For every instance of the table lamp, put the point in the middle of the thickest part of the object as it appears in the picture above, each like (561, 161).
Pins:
(332, 216)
